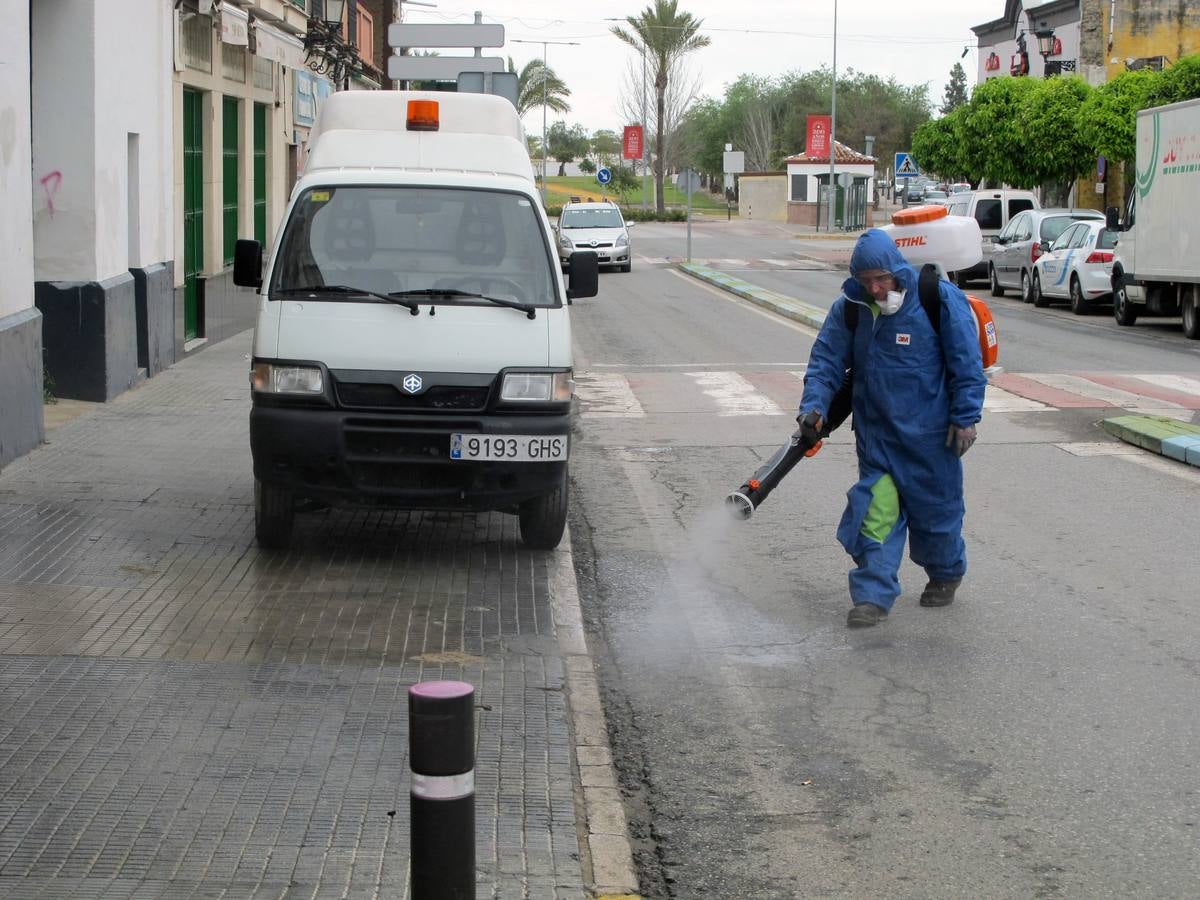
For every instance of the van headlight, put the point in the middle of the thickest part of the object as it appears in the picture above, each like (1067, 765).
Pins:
(271, 379)
(537, 387)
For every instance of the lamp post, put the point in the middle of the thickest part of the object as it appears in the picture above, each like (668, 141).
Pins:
(833, 125)
(326, 52)
(1045, 42)
(545, 147)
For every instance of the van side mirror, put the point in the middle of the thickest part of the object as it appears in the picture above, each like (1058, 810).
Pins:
(1112, 218)
(584, 280)
(247, 263)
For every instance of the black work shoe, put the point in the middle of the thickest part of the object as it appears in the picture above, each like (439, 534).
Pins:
(864, 615)
(939, 593)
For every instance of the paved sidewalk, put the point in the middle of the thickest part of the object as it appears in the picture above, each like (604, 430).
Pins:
(184, 715)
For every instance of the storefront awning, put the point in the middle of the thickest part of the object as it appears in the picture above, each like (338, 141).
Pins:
(235, 25)
(278, 46)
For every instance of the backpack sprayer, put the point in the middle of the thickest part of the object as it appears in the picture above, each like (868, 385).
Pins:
(923, 234)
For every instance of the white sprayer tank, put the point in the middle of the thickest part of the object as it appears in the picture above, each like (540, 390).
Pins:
(929, 234)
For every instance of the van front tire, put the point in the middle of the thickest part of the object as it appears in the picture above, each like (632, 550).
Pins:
(543, 519)
(274, 514)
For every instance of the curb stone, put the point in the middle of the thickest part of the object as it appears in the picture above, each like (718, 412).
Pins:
(786, 306)
(1159, 434)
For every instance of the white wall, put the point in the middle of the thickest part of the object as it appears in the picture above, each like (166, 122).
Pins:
(97, 77)
(16, 184)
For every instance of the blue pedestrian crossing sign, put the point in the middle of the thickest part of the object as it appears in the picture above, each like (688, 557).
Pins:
(604, 176)
(906, 166)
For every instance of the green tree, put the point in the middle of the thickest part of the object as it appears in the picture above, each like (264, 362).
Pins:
(586, 166)
(537, 85)
(1055, 152)
(665, 35)
(567, 143)
(1178, 82)
(1108, 118)
(994, 129)
(956, 90)
(938, 147)
(607, 146)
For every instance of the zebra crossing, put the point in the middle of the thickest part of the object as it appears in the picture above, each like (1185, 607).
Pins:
(634, 394)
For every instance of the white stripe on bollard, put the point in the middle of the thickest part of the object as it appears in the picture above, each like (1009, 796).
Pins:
(443, 787)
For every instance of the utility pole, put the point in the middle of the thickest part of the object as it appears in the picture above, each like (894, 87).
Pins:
(545, 147)
(645, 183)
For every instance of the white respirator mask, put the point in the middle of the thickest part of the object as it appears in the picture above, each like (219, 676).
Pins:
(892, 303)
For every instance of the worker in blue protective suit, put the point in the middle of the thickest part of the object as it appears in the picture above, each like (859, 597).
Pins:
(917, 396)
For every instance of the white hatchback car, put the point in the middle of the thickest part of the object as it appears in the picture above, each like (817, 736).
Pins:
(1077, 267)
(598, 227)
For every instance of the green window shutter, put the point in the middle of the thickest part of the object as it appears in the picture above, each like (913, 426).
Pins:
(260, 173)
(193, 210)
(229, 176)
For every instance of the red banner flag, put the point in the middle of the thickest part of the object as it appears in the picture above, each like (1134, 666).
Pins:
(817, 144)
(632, 142)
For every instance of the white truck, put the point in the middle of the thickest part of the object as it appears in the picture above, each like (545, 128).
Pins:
(413, 345)
(1156, 262)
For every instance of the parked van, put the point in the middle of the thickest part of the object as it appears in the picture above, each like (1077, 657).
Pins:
(413, 345)
(992, 209)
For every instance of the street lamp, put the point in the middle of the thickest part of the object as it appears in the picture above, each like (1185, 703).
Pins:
(1045, 43)
(833, 125)
(545, 147)
(325, 51)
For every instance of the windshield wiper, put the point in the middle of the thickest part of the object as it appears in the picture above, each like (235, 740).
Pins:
(528, 308)
(394, 297)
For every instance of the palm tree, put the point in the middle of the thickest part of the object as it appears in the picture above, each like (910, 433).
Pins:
(537, 83)
(664, 34)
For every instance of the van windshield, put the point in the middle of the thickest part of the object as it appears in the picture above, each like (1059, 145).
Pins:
(390, 239)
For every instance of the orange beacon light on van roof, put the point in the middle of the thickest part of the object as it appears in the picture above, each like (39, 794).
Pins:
(422, 115)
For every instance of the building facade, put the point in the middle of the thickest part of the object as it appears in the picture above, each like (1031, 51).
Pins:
(148, 136)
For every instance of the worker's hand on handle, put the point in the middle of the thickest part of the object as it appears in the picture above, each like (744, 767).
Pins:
(960, 439)
(810, 427)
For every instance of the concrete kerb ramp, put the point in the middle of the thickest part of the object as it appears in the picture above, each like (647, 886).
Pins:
(779, 303)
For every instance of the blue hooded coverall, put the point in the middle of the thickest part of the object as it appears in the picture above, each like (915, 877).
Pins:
(910, 385)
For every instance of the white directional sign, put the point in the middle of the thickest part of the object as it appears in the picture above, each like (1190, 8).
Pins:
(445, 35)
(906, 166)
(440, 68)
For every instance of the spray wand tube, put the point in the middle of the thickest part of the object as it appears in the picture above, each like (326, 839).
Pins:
(746, 499)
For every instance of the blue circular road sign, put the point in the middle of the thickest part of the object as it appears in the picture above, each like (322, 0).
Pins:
(604, 176)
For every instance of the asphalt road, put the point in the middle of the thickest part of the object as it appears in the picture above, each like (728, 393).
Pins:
(1036, 738)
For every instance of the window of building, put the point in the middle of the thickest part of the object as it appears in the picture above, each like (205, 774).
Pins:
(196, 37)
(264, 73)
(233, 62)
(229, 177)
(800, 187)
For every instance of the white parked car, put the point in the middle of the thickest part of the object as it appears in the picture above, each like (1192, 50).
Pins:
(1076, 267)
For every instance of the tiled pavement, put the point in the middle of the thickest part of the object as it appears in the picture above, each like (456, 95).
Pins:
(182, 715)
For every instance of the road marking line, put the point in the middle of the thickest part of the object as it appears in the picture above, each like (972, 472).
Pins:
(1180, 383)
(1088, 388)
(607, 395)
(734, 395)
(996, 399)
(1100, 448)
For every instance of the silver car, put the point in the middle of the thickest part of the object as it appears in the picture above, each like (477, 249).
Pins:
(1026, 237)
(598, 227)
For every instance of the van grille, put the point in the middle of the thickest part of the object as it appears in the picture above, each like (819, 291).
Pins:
(454, 398)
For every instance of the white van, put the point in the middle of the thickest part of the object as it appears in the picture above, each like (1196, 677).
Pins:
(992, 209)
(413, 344)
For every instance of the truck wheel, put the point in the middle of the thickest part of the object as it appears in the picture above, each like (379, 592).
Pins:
(274, 512)
(997, 290)
(544, 518)
(1080, 305)
(1123, 310)
(1040, 300)
(1191, 313)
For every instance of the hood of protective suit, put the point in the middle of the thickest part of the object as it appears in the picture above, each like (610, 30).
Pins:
(875, 250)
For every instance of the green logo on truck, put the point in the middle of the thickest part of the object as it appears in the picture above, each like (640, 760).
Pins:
(1145, 180)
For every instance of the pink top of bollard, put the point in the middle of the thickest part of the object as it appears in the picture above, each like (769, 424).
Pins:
(442, 690)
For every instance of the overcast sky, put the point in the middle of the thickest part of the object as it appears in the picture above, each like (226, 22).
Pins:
(914, 41)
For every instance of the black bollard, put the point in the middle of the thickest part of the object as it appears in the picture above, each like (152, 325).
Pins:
(441, 752)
